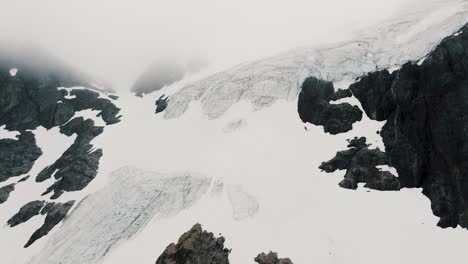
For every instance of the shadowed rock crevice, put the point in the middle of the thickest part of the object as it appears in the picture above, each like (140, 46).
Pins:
(360, 164)
(196, 247)
(426, 105)
(314, 107)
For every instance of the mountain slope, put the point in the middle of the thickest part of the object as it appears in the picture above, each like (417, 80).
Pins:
(231, 152)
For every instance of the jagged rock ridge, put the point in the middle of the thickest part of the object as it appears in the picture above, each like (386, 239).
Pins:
(360, 164)
(196, 247)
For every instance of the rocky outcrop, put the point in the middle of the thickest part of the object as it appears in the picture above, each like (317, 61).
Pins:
(5, 192)
(18, 156)
(360, 164)
(271, 258)
(341, 94)
(78, 165)
(426, 105)
(314, 107)
(161, 103)
(31, 98)
(55, 214)
(196, 247)
(26, 212)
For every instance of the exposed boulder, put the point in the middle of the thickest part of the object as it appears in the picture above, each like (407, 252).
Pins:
(271, 258)
(360, 164)
(196, 247)
(314, 107)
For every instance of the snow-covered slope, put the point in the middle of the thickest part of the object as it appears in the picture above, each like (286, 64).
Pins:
(252, 167)
(408, 37)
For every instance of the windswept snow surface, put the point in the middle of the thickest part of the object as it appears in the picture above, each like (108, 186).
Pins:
(260, 185)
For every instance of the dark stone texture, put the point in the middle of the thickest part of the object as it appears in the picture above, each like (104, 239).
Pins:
(113, 97)
(5, 192)
(314, 107)
(196, 247)
(425, 135)
(378, 103)
(161, 103)
(55, 214)
(340, 94)
(360, 164)
(47, 208)
(78, 165)
(271, 258)
(27, 102)
(25, 178)
(18, 156)
(86, 99)
(26, 212)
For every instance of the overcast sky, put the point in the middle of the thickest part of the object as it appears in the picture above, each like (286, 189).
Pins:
(117, 39)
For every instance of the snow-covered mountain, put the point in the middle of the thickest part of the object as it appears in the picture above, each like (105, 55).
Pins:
(92, 177)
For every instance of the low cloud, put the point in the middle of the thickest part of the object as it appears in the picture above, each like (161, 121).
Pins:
(119, 39)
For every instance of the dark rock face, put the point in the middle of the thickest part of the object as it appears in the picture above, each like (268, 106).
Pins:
(25, 178)
(5, 192)
(157, 76)
(18, 156)
(78, 165)
(314, 107)
(360, 164)
(161, 103)
(26, 102)
(196, 247)
(86, 99)
(47, 208)
(26, 212)
(425, 135)
(271, 258)
(55, 214)
(340, 94)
